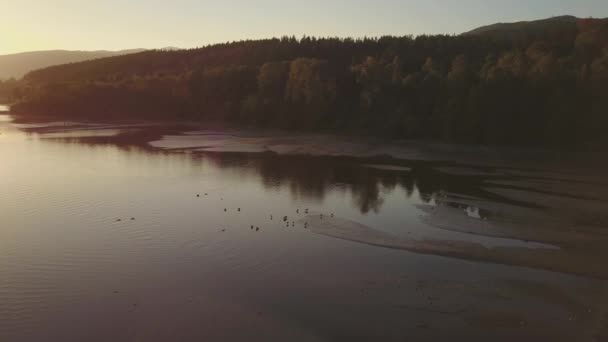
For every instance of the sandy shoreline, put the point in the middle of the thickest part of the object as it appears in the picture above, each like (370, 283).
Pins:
(195, 137)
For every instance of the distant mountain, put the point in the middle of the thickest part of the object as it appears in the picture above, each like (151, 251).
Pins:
(556, 28)
(18, 64)
(502, 28)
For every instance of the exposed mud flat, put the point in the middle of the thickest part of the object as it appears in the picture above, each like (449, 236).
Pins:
(276, 142)
(396, 168)
(281, 142)
(538, 256)
(545, 234)
(469, 171)
(590, 210)
(477, 161)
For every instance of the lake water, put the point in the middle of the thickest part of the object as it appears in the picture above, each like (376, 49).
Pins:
(106, 239)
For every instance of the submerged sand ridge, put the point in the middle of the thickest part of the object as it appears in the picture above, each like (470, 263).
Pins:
(543, 258)
(194, 137)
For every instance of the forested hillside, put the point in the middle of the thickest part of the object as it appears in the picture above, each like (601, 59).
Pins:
(533, 84)
(18, 64)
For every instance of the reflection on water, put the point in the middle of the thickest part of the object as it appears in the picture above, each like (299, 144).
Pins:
(103, 238)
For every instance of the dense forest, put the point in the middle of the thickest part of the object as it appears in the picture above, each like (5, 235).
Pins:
(9, 90)
(542, 84)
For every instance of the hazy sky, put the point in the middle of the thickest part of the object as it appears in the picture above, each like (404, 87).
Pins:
(121, 24)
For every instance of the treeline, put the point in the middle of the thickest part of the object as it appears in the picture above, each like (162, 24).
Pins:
(537, 90)
(9, 90)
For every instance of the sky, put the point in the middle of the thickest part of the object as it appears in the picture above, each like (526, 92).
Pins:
(28, 25)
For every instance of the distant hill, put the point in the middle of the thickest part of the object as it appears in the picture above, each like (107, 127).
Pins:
(509, 28)
(555, 28)
(18, 64)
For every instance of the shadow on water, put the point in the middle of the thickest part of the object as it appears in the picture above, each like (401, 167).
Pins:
(312, 177)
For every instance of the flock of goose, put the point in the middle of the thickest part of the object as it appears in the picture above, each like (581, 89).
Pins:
(284, 219)
(252, 227)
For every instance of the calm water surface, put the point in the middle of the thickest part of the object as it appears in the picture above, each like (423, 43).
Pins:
(106, 242)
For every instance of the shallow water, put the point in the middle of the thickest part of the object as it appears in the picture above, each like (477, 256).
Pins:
(104, 240)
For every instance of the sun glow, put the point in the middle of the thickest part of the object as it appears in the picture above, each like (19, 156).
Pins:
(18, 40)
